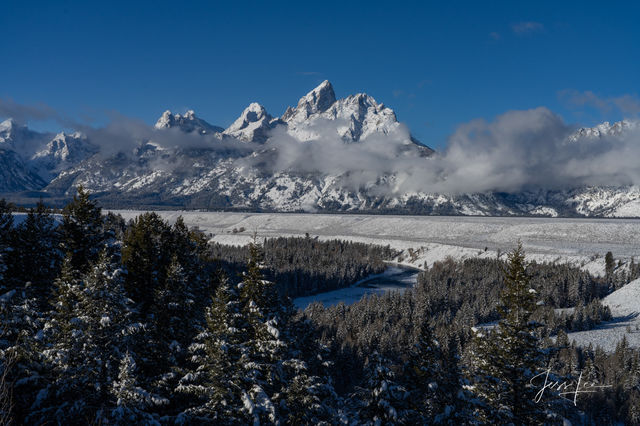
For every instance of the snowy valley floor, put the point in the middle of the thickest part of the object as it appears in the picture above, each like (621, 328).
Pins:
(427, 239)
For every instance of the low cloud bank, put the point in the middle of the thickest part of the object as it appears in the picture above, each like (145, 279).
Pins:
(518, 150)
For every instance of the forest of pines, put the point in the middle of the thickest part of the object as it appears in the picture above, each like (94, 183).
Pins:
(146, 322)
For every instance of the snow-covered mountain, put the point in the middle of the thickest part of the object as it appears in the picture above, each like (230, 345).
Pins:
(187, 123)
(359, 116)
(253, 125)
(206, 166)
(62, 152)
(603, 130)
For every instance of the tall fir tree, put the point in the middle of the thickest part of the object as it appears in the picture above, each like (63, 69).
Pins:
(216, 385)
(267, 320)
(82, 234)
(423, 375)
(170, 327)
(89, 333)
(146, 254)
(35, 256)
(382, 400)
(505, 359)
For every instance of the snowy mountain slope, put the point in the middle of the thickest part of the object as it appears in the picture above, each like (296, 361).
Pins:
(20, 139)
(31, 159)
(15, 175)
(62, 152)
(283, 164)
(625, 309)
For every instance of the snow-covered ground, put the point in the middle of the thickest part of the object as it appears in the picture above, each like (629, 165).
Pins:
(625, 308)
(426, 239)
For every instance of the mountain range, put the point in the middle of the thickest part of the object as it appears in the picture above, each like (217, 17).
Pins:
(315, 157)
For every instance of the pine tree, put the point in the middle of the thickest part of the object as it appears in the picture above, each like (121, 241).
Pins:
(88, 335)
(505, 359)
(20, 352)
(218, 383)
(132, 401)
(171, 325)
(34, 256)
(423, 374)
(82, 231)
(309, 395)
(146, 254)
(382, 401)
(267, 344)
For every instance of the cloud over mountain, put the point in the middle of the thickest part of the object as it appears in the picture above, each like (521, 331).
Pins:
(325, 147)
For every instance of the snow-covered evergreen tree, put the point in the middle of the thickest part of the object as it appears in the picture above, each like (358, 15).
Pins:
(170, 327)
(132, 401)
(81, 230)
(20, 350)
(382, 400)
(424, 376)
(88, 335)
(218, 382)
(267, 343)
(34, 256)
(505, 359)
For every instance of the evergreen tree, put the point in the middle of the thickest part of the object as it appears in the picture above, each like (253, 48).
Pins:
(505, 359)
(82, 234)
(218, 383)
(146, 254)
(423, 374)
(34, 256)
(309, 395)
(172, 324)
(132, 401)
(382, 401)
(20, 352)
(267, 343)
(88, 335)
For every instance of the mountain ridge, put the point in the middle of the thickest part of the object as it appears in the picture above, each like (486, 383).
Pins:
(241, 167)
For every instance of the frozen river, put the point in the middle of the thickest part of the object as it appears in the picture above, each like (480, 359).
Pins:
(394, 278)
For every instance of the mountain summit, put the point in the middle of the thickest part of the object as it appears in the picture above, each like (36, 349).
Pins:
(187, 122)
(253, 125)
(316, 101)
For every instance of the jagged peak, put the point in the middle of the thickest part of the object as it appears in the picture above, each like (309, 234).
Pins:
(165, 120)
(319, 99)
(254, 112)
(187, 122)
(10, 125)
(7, 124)
(62, 136)
(603, 129)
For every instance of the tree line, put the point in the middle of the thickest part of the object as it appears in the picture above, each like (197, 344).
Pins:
(108, 322)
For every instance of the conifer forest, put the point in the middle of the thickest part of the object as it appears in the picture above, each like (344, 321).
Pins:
(111, 322)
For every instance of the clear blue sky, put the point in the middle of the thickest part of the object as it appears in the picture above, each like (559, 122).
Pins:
(437, 64)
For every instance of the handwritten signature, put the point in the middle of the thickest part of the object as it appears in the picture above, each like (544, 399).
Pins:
(564, 388)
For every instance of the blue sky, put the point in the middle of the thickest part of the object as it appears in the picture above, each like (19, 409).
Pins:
(437, 64)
